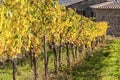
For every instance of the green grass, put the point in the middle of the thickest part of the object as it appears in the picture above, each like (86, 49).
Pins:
(103, 64)
(24, 70)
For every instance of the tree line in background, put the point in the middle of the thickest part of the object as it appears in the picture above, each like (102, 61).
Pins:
(36, 25)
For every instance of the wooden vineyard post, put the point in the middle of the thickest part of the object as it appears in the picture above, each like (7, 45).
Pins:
(35, 67)
(73, 52)
(68, 56)
(76, 52)
(45, 59)
(31, 58)
(60, 51)
(14, 62)
(55, 58)
(92, 45)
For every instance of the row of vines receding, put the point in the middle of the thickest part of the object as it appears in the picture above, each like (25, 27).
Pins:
(37, 26)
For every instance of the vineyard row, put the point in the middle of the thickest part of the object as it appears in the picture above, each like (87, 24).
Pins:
(39, 25)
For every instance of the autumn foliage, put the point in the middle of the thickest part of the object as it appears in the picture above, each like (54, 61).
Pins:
(23, 23)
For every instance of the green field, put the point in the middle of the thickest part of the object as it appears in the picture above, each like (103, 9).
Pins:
(102, 64)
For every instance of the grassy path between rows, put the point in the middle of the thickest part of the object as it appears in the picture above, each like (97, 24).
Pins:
(103, 65)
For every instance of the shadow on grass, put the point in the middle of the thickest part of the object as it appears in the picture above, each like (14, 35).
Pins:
(90, 69)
